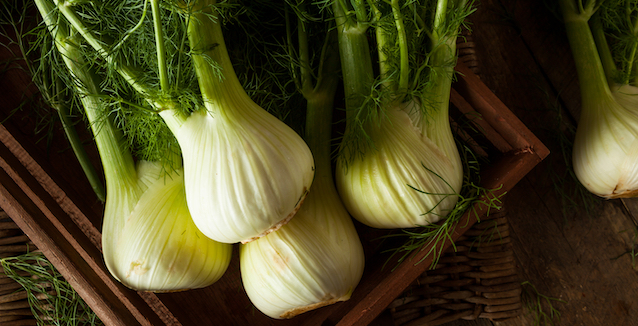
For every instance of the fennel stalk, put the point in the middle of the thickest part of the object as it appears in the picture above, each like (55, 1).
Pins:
(398, 163)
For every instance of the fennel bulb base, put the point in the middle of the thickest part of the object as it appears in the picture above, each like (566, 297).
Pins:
(326, 302)
(280, 223)
(244, 173)
(625, 194)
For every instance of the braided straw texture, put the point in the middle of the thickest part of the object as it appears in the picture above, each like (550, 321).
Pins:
(478, 280)
(14, 306)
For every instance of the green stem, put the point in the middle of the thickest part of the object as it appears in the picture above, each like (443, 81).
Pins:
(606, 58)
(356, 62)
(442, 61)
(159, 42)
(360, 10)
(382, 41)
(127, 72)
(304, 57)
(438, 119)
(318, 134)
(94, 178)
(440, 15)
(404, 68)
(318, 131)
(52, 91)
(591, 74)
(118, 163)
(119, 167)
(217, 79)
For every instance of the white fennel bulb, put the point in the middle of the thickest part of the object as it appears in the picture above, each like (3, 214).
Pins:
(605, 151)
(398, 165)
(407, 179)
(246, 172)
(315, 260)
(150, 241)
(605, 154)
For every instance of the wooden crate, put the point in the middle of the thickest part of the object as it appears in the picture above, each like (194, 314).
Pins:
(44, 192)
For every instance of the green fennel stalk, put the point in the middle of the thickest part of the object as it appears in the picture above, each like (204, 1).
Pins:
(401, 115)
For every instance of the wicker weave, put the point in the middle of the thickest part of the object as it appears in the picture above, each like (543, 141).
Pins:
(478, 280)
(14, 307)
(466, 52)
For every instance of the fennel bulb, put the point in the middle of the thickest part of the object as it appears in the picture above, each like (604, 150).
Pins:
(315, 260)
(149, 240)
(398, 164)
(406, 180)
(245, 176)
(605, 152)
(247, 172)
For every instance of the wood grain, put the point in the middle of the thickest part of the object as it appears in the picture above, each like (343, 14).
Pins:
(566, 252)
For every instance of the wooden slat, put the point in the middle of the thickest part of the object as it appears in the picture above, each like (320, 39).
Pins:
(483, 126)
(496, 113)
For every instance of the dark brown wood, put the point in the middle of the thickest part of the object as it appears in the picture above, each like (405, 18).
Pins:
(581, 257)
(466, 108)
(496, 113)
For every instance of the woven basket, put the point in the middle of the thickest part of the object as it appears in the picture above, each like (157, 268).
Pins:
(478, 280)
(466, 52)
(14, 307)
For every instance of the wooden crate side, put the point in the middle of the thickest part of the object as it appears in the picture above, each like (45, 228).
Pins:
(496, 113)
(479, 122)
